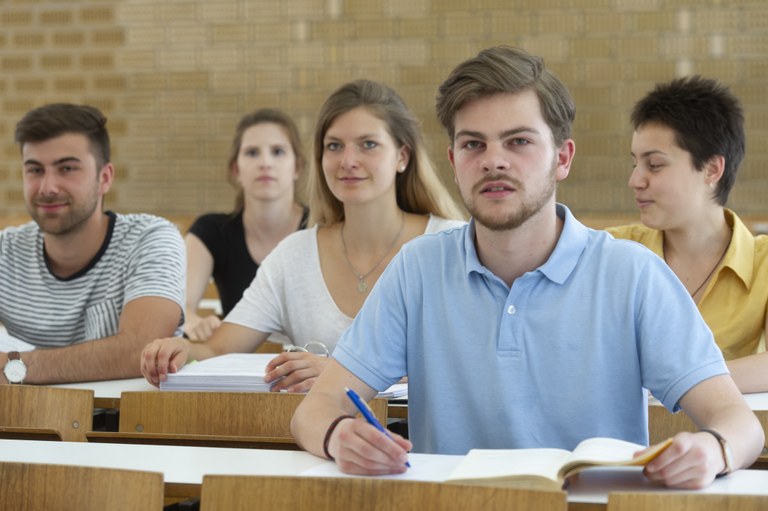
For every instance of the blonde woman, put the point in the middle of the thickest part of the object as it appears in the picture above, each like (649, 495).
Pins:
(373, 189)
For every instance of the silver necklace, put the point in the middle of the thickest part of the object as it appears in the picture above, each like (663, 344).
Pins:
(362, 286)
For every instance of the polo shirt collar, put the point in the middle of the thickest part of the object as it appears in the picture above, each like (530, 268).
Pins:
(571, 244)
(740, 256)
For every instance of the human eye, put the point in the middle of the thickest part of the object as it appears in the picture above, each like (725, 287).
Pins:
(471, 144)
(67, 168)
(278, 151)
(369, 144)
(519, 141)
(332, 146)
(655, 166)
(33, 170)
(251, 152)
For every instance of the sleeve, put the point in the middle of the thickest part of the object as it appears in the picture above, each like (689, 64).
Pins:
(157, 266)
(677, 349)
(208, 230)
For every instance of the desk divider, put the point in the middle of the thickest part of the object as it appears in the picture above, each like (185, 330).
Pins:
(685, 502)
(30, 411)
(241, 493)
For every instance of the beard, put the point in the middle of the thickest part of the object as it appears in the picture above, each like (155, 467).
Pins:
(528, 207)
(66, 222)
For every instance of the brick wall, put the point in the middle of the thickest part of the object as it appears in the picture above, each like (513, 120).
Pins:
(174, 77)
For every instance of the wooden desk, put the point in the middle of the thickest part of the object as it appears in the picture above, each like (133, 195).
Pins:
(184, 468)
(107, 394)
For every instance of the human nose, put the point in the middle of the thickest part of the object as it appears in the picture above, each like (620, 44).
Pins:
(349, 158)
(637, 179)
(495, 158)
(49, 184)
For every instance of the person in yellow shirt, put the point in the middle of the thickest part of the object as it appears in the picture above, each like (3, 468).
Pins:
(687, 146)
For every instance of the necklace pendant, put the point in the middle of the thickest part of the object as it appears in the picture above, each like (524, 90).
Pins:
(361, 285)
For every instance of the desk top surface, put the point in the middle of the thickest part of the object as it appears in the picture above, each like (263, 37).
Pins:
(111, 389)
(188, 465)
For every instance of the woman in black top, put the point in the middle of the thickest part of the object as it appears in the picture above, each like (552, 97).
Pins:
(265, 161)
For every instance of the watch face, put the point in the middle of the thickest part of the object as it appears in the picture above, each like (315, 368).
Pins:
(15, 371)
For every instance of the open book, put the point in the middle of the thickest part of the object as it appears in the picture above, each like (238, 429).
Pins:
(237, 372)
(547, 469)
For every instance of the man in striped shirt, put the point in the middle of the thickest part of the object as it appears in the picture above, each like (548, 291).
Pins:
(87, 288)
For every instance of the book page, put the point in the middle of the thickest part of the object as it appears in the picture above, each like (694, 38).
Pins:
(509, 463)
(609, 451)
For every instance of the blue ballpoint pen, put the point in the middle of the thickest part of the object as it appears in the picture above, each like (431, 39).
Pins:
(367, 414)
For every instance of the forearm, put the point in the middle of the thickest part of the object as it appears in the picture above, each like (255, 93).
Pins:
(750, 373)
(312, 419)
(324, 403)
(717, 404)
(110, 358)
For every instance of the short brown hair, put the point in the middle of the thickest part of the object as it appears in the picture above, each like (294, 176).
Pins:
(503, 69)
(50, 121)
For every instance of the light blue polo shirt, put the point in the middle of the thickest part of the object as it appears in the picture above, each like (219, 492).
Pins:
(561, 356)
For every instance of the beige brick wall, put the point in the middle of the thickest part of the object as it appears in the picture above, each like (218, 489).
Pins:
(175, 76)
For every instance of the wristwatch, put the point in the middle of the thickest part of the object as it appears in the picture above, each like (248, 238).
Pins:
(15, 370)
(727, 455)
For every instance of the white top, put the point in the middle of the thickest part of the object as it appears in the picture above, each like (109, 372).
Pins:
(289, 295)
(188, 465)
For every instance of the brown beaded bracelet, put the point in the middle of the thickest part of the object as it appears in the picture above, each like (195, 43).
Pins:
(328, 433)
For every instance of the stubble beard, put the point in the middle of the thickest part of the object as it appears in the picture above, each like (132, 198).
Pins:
(529, 205)
(65, 223)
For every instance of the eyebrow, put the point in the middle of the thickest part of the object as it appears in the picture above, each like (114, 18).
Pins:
(503, 134)
(645, 154)
(66, 159)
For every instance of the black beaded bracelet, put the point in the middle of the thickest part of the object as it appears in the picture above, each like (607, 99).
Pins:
(328, 433)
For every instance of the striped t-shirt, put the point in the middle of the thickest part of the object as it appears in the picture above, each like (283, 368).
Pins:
(142, 255)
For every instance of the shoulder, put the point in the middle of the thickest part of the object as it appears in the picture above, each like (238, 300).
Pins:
(634, 232)
(142, 228)
(19, 241)
(437, 224)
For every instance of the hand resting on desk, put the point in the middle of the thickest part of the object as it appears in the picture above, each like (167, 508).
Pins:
(298, 371)
(163, 356)
(692, 461)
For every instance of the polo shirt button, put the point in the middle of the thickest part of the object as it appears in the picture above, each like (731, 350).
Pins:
(511, 309)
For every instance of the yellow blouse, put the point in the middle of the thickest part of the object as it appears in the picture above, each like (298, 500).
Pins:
(735, 301)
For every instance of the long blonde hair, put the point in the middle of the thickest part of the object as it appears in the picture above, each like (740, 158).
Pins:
(418, 188)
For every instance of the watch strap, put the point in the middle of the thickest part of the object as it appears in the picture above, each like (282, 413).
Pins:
(725, 448)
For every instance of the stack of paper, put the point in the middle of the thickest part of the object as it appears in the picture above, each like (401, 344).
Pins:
(239, 372)
(243, 372)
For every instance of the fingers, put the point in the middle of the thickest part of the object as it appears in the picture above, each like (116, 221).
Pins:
(204, 328)
(359, 448)
(692, 461)
(294, 372)
(162, 356)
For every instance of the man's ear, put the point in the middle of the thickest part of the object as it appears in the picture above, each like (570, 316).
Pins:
(564, 159)
(106, 177)
(453, 163)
